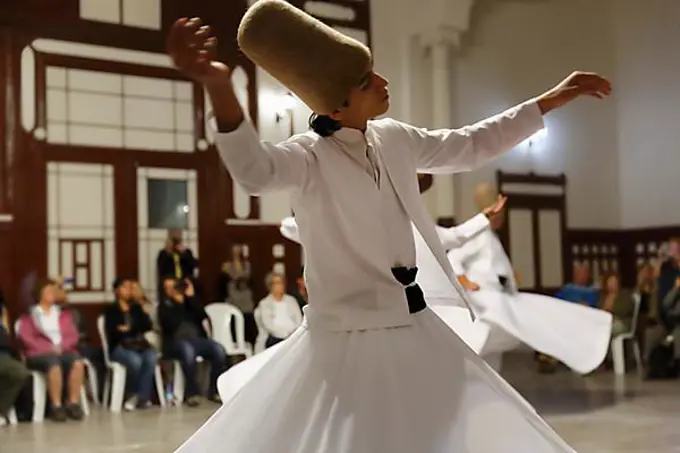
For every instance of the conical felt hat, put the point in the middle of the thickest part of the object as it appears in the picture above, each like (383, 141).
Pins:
(317, 63)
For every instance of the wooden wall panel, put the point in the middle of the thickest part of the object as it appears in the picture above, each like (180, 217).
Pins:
(630, 247)
(6, 267)
(23, 159)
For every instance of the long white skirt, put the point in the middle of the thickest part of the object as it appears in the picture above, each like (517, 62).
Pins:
(414, 389)
(576, 335)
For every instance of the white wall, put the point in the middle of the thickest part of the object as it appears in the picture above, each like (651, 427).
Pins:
(648, 93)
(517, 49)
(615, 153)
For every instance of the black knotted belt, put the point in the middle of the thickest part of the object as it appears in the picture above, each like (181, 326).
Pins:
(414, 295)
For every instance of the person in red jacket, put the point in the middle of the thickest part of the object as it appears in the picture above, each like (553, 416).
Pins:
(49, 340)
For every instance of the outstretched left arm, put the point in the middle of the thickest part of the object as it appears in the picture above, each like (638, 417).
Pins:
(454, 150)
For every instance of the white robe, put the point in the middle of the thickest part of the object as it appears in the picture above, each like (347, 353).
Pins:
(432, 280)
(576, 335)
(363, 374)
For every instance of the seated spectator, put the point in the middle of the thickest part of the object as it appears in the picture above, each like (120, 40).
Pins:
(668, 272)
(671, 306)
(301, 293)
(151, 309)
(646, 289)
(619, 303)
(49, 340)
(580, 291)
(241, 296)
(279, 312)
(86, 348)
(13, 373)
(185, 337)
(126, 325)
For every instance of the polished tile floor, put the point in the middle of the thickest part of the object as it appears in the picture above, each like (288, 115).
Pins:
(595, 414)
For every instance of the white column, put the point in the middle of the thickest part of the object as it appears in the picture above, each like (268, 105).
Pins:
(441, 50)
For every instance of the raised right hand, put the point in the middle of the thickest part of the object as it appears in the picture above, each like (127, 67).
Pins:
(496, 207)
(193, 50)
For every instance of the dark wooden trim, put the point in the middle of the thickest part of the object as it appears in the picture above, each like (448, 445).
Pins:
(536, 203)
(107, 66)
(530, 178)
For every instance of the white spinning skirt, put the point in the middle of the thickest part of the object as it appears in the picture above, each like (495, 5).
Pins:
(576, 335)
(414, 389)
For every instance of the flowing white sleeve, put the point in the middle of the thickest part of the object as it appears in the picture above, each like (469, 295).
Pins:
(260, 166)
(459, 256)
(470, 147)
(289, 229)
(460, 234)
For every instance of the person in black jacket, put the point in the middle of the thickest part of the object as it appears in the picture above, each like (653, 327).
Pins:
(175, 259)
(185, 337)
(126, 323)
(13, 373)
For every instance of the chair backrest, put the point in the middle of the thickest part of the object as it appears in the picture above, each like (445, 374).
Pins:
(220, 315)
(101, 328)
(17, 326)
(257, 314)
(637, 301)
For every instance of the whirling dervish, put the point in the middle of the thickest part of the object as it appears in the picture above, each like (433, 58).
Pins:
(576, 335)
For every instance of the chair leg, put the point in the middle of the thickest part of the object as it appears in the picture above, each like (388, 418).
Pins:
(93, 381)
(118, 388)
(39, 397)
(178, 382)
(12, 417)
(84, 404)
(638, 356)
(158, 378)
(618, 356)
(108, 377)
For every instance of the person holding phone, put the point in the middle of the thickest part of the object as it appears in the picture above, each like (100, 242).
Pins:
(185, 329)
(175, 259)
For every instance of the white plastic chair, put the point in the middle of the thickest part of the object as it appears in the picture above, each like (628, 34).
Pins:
(116, 375)
(179, 381)
(40, 391)
(617, 348)
(92, 380)
(220, 315)
(12, 417)
(262, 335)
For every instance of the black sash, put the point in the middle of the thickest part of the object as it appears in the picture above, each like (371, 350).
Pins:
(414, 295)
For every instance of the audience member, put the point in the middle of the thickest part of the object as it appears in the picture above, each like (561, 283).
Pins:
(85, 346)
(185, 337)
(618, 302)
(647, 291)
(234, 287)
(279, 312)
(301, 292)
(126, 325)
(668, 273)
(150, 308)
(175, 259)
(13, 373)
(671, 305)
(49, 340)
(580, 291)
(235, 275)
(241, 296)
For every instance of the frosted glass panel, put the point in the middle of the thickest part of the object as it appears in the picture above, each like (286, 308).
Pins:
(550, 242)
(92, 108)
(522, 246)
